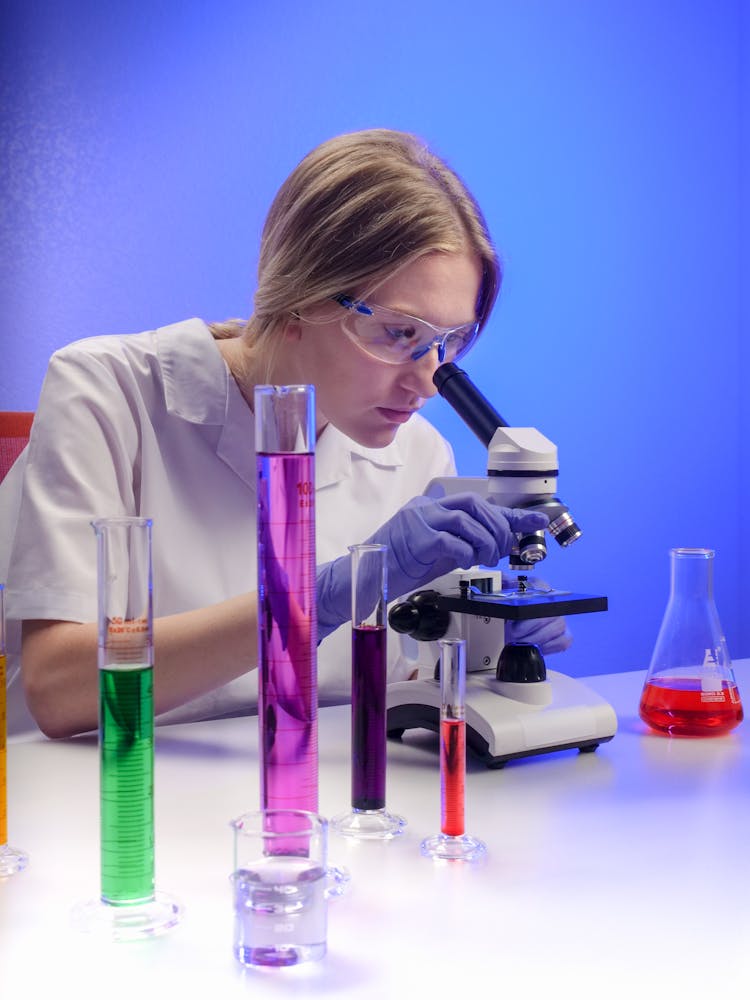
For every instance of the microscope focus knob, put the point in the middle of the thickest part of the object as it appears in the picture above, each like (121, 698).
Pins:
(521, 663)
(419, 617)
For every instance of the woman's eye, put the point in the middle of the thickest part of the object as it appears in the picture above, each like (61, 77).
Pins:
(401, 334)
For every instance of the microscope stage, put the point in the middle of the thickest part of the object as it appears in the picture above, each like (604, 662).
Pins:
(522, 606)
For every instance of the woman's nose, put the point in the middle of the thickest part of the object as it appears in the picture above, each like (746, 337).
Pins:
(418, 374)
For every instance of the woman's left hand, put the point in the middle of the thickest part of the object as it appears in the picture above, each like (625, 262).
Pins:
(551, 635)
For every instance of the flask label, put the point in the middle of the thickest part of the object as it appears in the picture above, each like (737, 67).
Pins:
(711, 686)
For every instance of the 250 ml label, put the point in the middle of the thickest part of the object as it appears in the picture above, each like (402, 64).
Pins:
(127, 640)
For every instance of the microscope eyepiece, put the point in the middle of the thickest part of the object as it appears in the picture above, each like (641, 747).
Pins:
(456, 388)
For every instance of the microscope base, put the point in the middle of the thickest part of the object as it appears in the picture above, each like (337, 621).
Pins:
(504, 722)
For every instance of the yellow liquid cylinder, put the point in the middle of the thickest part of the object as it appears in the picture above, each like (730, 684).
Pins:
(11, 860)
(3, 756)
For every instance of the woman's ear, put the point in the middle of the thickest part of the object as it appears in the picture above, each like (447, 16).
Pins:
(292, 328)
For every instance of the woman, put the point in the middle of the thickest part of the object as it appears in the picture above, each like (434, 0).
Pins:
(375, 267)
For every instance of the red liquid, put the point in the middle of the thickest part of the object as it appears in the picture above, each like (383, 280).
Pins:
(682, 709)
(452, 776)
(368, 716)
(287, 625)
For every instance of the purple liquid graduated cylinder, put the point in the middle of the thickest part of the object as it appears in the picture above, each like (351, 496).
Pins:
(368, 817)
(368, 717)
(287, 623)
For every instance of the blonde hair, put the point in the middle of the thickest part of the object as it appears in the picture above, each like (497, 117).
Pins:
(355, 210)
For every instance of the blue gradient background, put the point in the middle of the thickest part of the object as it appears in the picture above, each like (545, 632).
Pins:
(607, 142)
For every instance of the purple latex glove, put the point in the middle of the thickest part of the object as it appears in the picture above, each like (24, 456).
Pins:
(426, 539)
(551, 635)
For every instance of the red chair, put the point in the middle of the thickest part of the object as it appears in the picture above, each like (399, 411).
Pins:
(15, 427)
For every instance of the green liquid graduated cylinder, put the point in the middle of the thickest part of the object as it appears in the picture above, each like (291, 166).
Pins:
(126, 704)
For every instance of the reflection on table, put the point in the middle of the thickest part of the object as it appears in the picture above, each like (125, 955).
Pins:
(622, 870)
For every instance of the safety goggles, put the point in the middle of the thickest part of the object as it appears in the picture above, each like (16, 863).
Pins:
(396, 338)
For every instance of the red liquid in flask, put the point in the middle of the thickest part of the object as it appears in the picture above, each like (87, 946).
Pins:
(368, 717)
(288, 689)
(682, 708)
(453, 775)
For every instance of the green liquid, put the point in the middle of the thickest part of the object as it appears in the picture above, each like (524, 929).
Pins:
(126, 734)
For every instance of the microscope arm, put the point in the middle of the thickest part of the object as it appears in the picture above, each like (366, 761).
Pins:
(522, 466)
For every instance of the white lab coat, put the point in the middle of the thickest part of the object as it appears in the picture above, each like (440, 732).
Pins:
(153, 424)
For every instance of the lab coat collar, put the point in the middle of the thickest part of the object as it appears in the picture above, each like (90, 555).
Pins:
(335, 454)
(193, 372)
(236, 445)
(199, 388)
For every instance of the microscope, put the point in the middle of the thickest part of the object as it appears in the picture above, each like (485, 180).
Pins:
(515, 706)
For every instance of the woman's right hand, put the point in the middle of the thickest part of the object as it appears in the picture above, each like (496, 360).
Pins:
(426, 539)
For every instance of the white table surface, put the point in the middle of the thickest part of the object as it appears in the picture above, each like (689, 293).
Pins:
(623, 872)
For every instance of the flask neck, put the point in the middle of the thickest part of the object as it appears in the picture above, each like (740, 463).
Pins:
(692, 576)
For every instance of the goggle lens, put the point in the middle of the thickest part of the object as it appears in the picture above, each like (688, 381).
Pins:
(397, 338)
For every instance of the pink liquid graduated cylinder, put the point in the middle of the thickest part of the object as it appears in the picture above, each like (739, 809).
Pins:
(288, 697)
(452, 776)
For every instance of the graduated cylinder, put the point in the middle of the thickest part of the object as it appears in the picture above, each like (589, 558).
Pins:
(452, 843)
(369, 596)
(126, 709)
(368, 817)
(452, 736)
(11, 859)
(287, 619)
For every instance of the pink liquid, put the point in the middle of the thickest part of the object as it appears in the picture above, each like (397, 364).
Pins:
(368, 717)
(452, 776)
(287, 625)
(683, 709)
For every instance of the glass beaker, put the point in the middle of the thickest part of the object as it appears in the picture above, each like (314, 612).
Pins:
(368, 818)
(690, 688)
(287, 610)
(279, 886)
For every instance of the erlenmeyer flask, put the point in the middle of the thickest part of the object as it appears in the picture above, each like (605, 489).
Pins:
(690, 688)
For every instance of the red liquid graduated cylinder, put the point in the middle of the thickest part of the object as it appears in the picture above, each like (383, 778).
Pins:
(288, 690)
(368, 717)
(683, 708)
(452, 775)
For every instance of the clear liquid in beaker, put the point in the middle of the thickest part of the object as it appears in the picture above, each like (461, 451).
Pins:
(280, 912)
